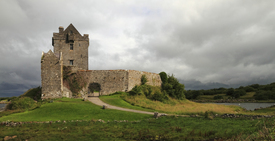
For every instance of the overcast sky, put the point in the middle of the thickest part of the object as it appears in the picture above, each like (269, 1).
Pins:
(205, 44)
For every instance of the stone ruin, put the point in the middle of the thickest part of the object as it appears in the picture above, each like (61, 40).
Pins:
(70, 51)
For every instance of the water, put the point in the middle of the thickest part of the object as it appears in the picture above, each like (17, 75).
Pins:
(249, 106)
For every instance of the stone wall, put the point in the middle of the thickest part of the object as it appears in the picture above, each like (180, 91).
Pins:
(135, 78)
(50, 76)
(112, 81)
(70, 45)
(79, 52)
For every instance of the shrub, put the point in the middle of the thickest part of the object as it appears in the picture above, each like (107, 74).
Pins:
(23, 103)
(238, 93)
(159, 96)
(230, 91)
(143, 79)
(135, 91)
(218, 97)
(249, 89)
(173, 88)
(34, 93)
(163, 77)
(264, 95)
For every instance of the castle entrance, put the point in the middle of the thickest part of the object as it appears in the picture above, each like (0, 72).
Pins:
(94, 89)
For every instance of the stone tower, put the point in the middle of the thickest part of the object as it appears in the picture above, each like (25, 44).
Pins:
(73, 46)
(70, 51)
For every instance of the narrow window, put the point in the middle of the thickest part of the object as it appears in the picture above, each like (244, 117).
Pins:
(71, 62)
(71, 46)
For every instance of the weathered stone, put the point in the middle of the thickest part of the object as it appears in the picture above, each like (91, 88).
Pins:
(71, 50)
(104, 107)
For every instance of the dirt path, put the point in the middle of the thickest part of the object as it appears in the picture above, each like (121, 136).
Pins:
(97, 101)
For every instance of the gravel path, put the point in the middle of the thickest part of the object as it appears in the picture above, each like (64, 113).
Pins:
(97, 101)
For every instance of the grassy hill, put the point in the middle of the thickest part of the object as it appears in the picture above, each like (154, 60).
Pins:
(72, 109)
(142, 127)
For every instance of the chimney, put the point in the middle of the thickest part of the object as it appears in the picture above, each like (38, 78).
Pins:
(61, 29)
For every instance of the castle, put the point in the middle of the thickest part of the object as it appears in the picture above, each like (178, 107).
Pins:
(64, 72)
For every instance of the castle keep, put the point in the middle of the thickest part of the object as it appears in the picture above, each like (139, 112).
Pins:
(64, 72)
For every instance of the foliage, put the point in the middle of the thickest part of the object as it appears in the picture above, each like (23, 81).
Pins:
(23, 103)
(249, 89)
(164, 128)
(143, 79)
(34, 93)
(151, 92)
(193, 94)
(230, 91)
(172, 87)
(163, 77)
(238, 93)
(218, 97)
(74, 81)
(159, 96)
(135, 91)
(264, 95)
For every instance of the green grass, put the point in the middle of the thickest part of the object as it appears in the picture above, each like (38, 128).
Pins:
(72, 109)
(116, 100)
(211, 97)
(248, 95)
(164, 128)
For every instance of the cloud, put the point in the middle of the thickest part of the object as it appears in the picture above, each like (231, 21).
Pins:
(228, 43)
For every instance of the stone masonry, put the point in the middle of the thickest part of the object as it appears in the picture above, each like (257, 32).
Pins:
(71, 49)
(73, 46)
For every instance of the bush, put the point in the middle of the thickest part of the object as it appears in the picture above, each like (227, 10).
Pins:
(238, 93)
(143, 79)
(135, 91)
(230, 91)
(163, 77)
(173, 88)
(249, 89)
(23, 103)
(34, 93)
(159, 96)
(218, 97)
(264, 95)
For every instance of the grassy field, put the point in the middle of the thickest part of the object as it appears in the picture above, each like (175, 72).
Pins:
(249, 95)
(72, 109)
(116, 100)
(164, 128)
(138, 126)
(182, 107)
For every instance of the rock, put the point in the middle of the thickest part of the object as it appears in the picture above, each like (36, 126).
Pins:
(104, 107)
(8, 138)
(156, 115)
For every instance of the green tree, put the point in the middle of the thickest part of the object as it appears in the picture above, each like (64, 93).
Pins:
(230, 91)
(173, 88)
(163, 77)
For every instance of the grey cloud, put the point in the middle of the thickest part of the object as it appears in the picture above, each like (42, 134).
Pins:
(205, 44)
